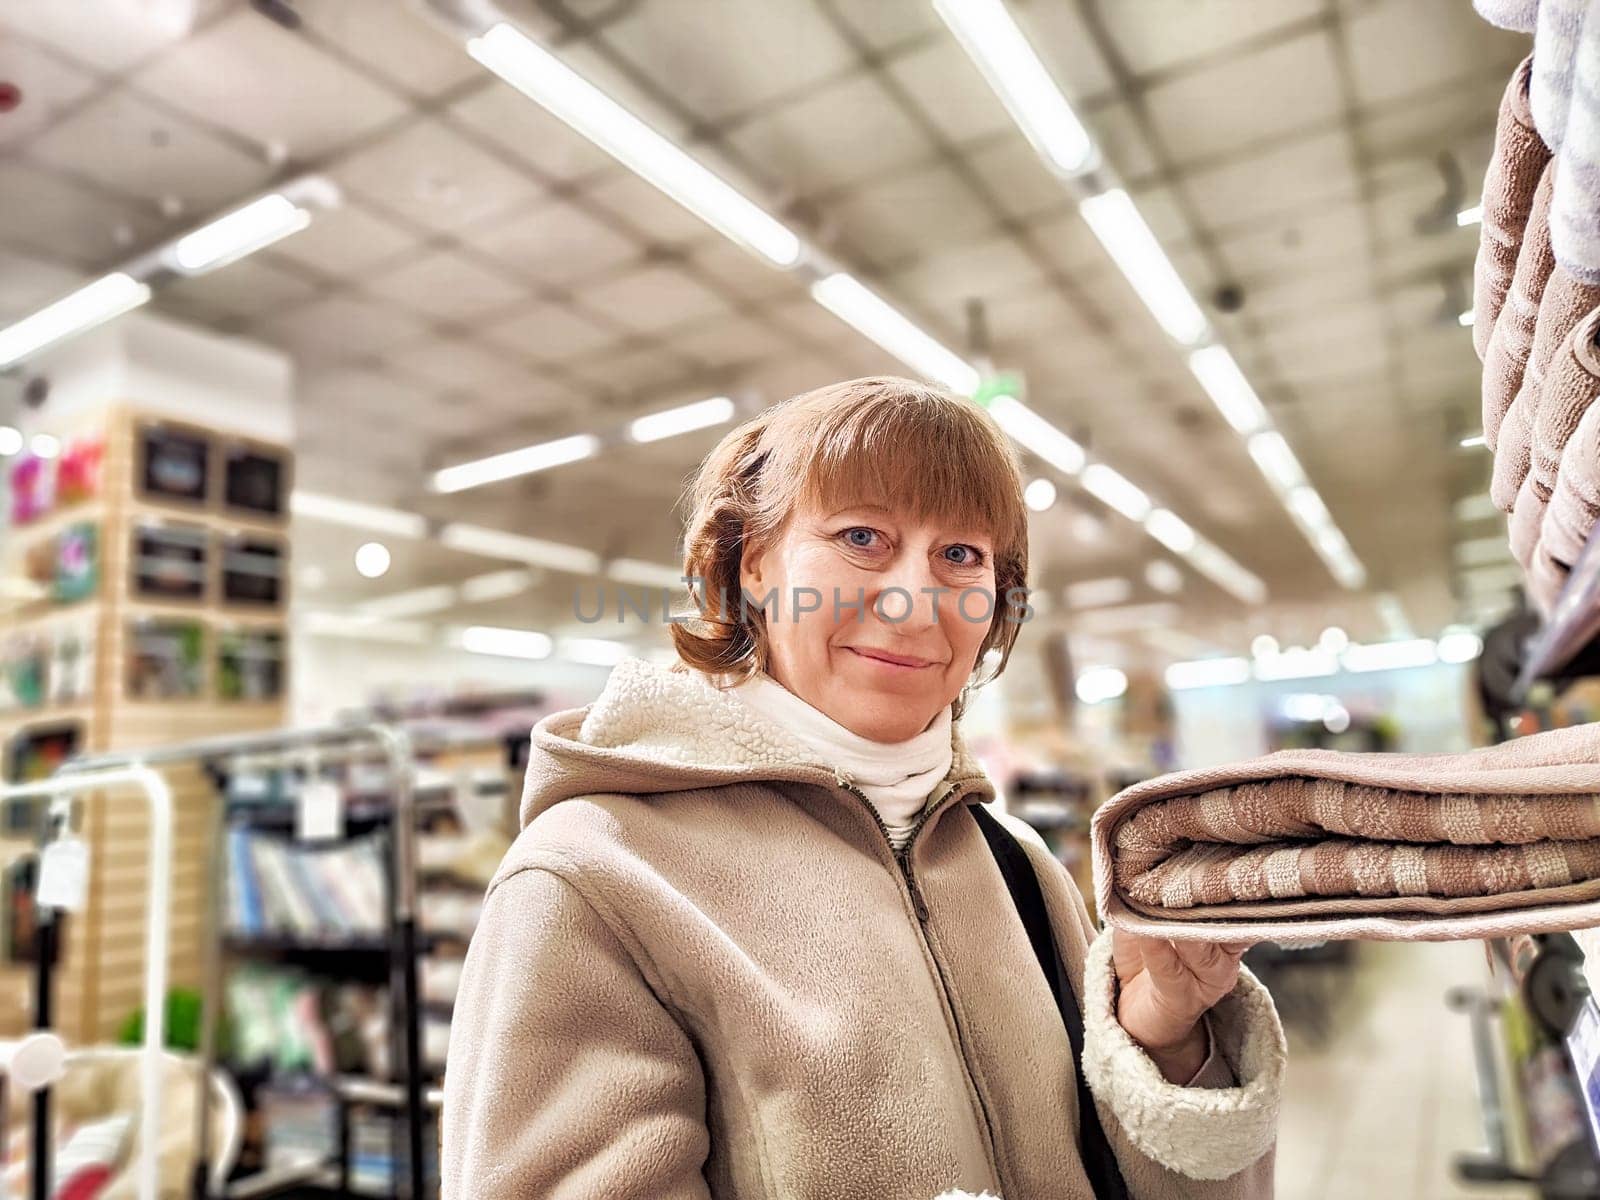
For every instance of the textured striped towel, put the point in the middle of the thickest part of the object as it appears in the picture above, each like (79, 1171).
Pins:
(1308, 844)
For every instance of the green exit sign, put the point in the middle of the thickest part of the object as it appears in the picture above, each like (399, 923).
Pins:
(1006, 383)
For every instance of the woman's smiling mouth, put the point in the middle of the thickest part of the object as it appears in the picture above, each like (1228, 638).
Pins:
(885, 658)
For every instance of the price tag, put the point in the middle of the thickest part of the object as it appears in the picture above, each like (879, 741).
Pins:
(64, 875)
(320, 814)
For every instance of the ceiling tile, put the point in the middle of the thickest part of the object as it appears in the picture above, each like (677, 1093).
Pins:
(455, 364)
(340, 327)
(49, 85)
(908, 214)
(951, 91)
(396, 41)
(759, 51)
(346, 241)
(108, 37)
(550, 332)
(1156, 34)
(883, 26)
(50, 215)
(652, 298)
(834, 137)
(1207, 112)
(741, 272)
(1066, 46)
(250, 287)
(1385, 39)
(235, 74)
(446, 286)
(130, 146)
(28, 282)
(554, 243)
(642, 370)
(725, 341)
(530, 133)
(431, 175)
(1314, 171)
(642, 206)
(1019, 182)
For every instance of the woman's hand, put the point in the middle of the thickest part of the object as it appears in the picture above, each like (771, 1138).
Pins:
(1164, 987)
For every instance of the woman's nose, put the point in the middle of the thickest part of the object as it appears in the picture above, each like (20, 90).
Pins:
(912, 596)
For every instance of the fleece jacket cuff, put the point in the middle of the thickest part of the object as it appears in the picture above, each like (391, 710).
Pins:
(1200, 1132)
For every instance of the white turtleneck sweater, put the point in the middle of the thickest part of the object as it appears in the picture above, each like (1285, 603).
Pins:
(897, 777)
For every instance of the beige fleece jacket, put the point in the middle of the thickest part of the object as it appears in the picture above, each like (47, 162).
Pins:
(701, 971)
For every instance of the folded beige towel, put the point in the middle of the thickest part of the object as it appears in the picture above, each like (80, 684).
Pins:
(1307, 844)
(1571, 514)
(1512, 337)
(1515, 167)
(1527, 516)
(1513, 452)
(1570, 387)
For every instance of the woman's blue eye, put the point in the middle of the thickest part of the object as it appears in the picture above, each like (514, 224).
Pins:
(863, 540)
(974, 556)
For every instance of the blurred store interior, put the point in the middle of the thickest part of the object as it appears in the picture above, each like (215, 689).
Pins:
(354, 358)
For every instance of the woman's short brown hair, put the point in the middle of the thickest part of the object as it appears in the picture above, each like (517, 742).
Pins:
(880, 439)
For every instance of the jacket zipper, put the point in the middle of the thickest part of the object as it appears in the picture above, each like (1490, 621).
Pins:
(903, 859)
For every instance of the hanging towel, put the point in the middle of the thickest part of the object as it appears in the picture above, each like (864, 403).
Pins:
(1512, 338)
(1513, 453)
(1570, 387)
(1519, 16)
(1575, 214)
(1572, 512)
(1308, 844)
(1515, 167)
(1522, 530)
(1557, 33)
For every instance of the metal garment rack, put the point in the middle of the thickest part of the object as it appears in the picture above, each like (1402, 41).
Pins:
(294, 748)
(1574, 623)
(58, 790)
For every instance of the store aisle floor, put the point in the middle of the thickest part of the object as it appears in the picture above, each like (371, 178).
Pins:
(1385, 1102)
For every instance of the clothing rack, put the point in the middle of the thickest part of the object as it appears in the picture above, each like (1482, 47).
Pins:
(1570, 635)
(393, 748)
(1535, 1075)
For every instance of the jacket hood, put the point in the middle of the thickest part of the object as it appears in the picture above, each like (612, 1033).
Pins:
(653, 729)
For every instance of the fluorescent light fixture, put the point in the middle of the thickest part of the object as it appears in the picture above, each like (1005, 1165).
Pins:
(11, 441)
(1483, 550)
(493, 543)
(1163, 577)
(1097, 593)
(1459, 646)
(1002, 53)
(1393, 615)
(242, 231)
(683, 419)
(93, 304)
(597, 652)
(1115, 491)
(646, 574)
(355, 514)
(372, 560)
(1170, 530)
(412, 603)
(1098, 684)
(1229, 390)
(1033, 433)
(508, 643)
(1306, 506)
(855, 304)
(1334, 640)
(1465, 319)
(1306, 706)
(1276, 460)
(544, 78)
(1470, 216)
(1207, 672)
(1263, 645)
(1039, 495)
(494, 585)
(1114, 219)
(1297, 662)
(44, 445)
(1348, 572)
(1219, 567)
(1391, 656)
(1477, 439)
(512, 463)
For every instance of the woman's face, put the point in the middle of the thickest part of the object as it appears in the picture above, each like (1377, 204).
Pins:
(867, 618)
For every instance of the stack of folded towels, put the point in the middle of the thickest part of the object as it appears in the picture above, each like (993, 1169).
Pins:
(1310, 845)
(1536, 299)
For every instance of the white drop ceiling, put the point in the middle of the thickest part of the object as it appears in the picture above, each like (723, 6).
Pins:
(492, 278)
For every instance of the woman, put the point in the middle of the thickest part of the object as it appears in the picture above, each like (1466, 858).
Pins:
(750, 942)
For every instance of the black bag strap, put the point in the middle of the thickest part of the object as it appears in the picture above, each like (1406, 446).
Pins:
(1099, 1161)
